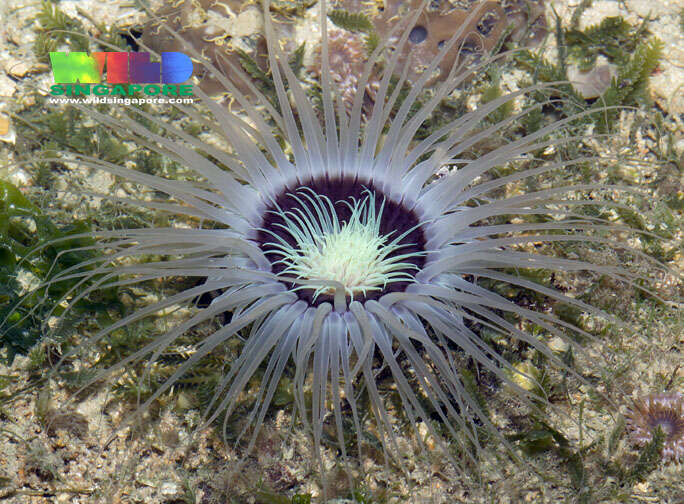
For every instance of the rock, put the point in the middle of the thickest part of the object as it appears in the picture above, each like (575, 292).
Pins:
(669, 91)
(598, 12)
(7, 133)
(593, 83)
(16, 67)
(168, 488)
(667, 83)
(4, 126)
(7, 86)
(652, 9)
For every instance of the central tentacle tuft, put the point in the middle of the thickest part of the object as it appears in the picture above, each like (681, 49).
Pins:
(321, 238)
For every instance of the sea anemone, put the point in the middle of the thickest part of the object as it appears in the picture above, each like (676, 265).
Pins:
(347, 53)
(334, 246)
(659, 410)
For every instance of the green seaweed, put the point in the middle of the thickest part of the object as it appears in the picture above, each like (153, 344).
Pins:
(623, 44)
(296, 61)
(492, 92)
(56, 28)
(648, 459)
(613, 474)
(264, 497)
(67, 129)
(631, 85)
(356, 22)
(613, 38)
(31, 244)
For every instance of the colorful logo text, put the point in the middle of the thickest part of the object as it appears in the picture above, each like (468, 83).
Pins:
(122, 67)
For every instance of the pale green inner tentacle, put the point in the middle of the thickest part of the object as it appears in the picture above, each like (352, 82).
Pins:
(353, 253)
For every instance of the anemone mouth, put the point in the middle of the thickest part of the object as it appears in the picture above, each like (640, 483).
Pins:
(343, 230)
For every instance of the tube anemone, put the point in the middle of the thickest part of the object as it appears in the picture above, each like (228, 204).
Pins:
(664, 411)
(338, 249)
